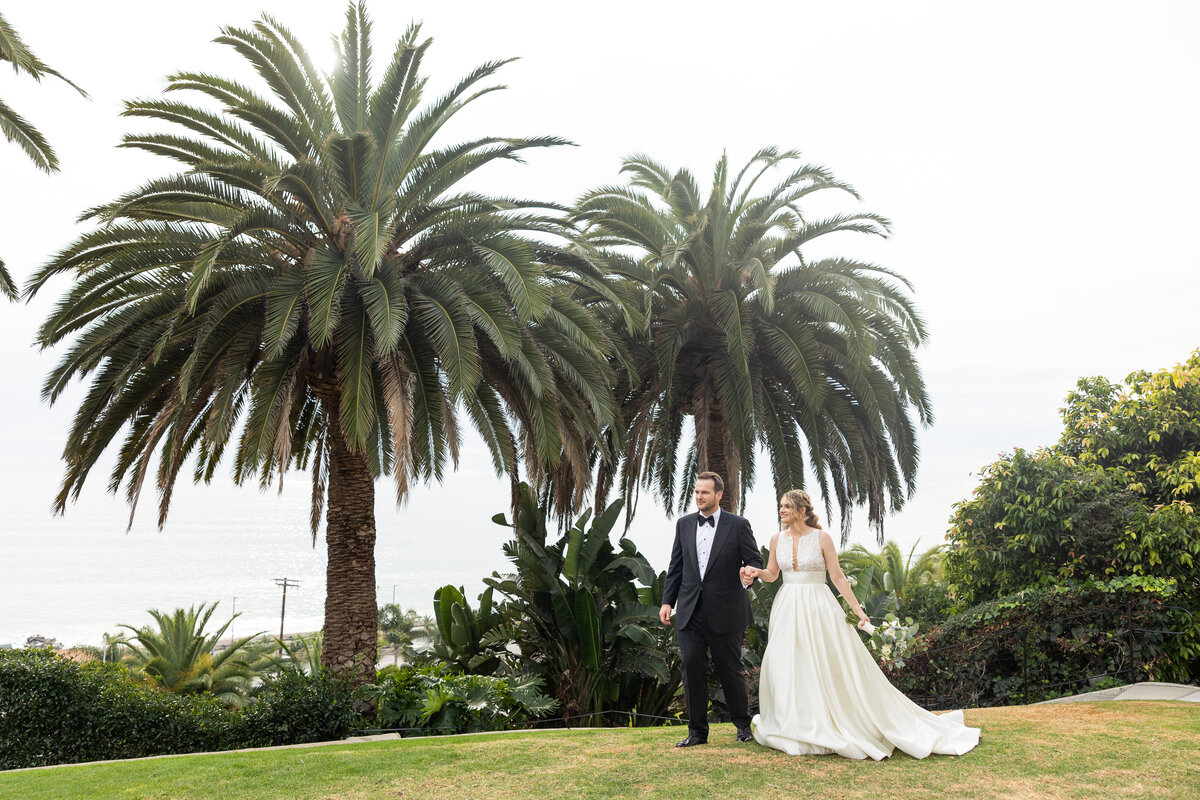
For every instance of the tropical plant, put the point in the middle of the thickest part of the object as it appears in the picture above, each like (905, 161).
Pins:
(756, 343)
(889, 571)
(473, 641)
(18, 129)
(762, 598)
(442, 701)
(317, 290)
(181, 658)
(302, 655)
(585, 626)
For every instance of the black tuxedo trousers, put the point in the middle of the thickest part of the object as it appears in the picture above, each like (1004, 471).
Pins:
(711, 614)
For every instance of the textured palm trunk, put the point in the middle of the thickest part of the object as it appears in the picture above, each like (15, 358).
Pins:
(350, 647)
(717, 454)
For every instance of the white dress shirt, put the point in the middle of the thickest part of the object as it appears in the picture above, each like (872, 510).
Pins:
(704, 539)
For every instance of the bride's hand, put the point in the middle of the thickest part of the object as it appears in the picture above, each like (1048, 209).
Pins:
(864, 624)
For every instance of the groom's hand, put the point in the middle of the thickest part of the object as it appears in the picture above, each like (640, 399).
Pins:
(748, 575)
(664, 614)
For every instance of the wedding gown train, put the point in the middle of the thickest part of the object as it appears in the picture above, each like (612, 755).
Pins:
(820, 690)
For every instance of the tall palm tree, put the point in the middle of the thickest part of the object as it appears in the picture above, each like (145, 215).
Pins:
(181, 658)
(318, 290)
(18, 129)
(757, 343)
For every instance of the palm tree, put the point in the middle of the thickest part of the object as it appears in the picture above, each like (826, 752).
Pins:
(317, 275)
(112, 645)
(396, 630)
(180, 658)
(757, 343)
(18, 129)
(889, 572)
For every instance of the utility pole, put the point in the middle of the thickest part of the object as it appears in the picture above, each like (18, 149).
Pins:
(285, 583)
(232, 617)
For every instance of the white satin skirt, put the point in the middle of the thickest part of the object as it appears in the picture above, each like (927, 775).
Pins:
(821, 692)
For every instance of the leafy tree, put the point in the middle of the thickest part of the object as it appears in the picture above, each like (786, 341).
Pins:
(316, 289)
(756, 343)
(1114, 498)
(18, 129)
(181, 658)
(1146, 430)
(1036, 520)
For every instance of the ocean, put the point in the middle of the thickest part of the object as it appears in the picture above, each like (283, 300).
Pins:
(78, 576)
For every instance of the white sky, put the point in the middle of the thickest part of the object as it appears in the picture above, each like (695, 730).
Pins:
(1038, 160)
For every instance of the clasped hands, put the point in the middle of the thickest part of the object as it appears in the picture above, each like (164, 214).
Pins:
(749, 574)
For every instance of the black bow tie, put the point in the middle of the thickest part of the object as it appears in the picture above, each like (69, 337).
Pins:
(708, 520)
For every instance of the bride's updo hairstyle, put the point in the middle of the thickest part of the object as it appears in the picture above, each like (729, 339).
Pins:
(801, 501)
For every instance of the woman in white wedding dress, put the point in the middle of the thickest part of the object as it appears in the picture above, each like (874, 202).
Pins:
(820, 691)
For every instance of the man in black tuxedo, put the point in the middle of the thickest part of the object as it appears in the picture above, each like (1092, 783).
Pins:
(712, 611)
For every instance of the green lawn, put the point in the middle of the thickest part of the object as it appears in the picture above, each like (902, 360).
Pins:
(1108, 750)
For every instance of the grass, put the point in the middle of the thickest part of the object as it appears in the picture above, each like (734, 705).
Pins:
(1112, 750)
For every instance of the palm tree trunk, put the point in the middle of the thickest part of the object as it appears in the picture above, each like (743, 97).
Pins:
(351, 618)
(720, 456)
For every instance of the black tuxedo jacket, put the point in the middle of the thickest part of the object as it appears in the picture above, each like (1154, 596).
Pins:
(726, 605)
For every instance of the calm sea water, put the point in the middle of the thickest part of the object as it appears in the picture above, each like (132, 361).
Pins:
(79, 576)
(76, 577)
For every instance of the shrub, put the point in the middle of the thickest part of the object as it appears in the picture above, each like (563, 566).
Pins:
(440, 701)
(929, 603)
(292, 707)
(56, 711)
(1038, 644)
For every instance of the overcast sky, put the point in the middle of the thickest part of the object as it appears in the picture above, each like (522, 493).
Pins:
(1039, 162)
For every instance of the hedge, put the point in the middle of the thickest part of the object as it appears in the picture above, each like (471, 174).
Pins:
(56, 711)
(1035, 645)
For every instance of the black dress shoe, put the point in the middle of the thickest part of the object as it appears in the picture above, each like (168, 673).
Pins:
(744, 735)
(691, 741)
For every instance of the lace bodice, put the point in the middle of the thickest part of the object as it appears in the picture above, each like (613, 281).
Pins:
(807, 551)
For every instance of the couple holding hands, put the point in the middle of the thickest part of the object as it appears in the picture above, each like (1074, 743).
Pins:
(820, 690)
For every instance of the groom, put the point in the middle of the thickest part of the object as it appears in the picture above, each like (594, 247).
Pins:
(704, 578)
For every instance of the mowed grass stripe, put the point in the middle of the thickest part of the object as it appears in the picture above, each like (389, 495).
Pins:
(1087, 750)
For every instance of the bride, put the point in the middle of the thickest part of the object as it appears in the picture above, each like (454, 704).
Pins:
(820, 691)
